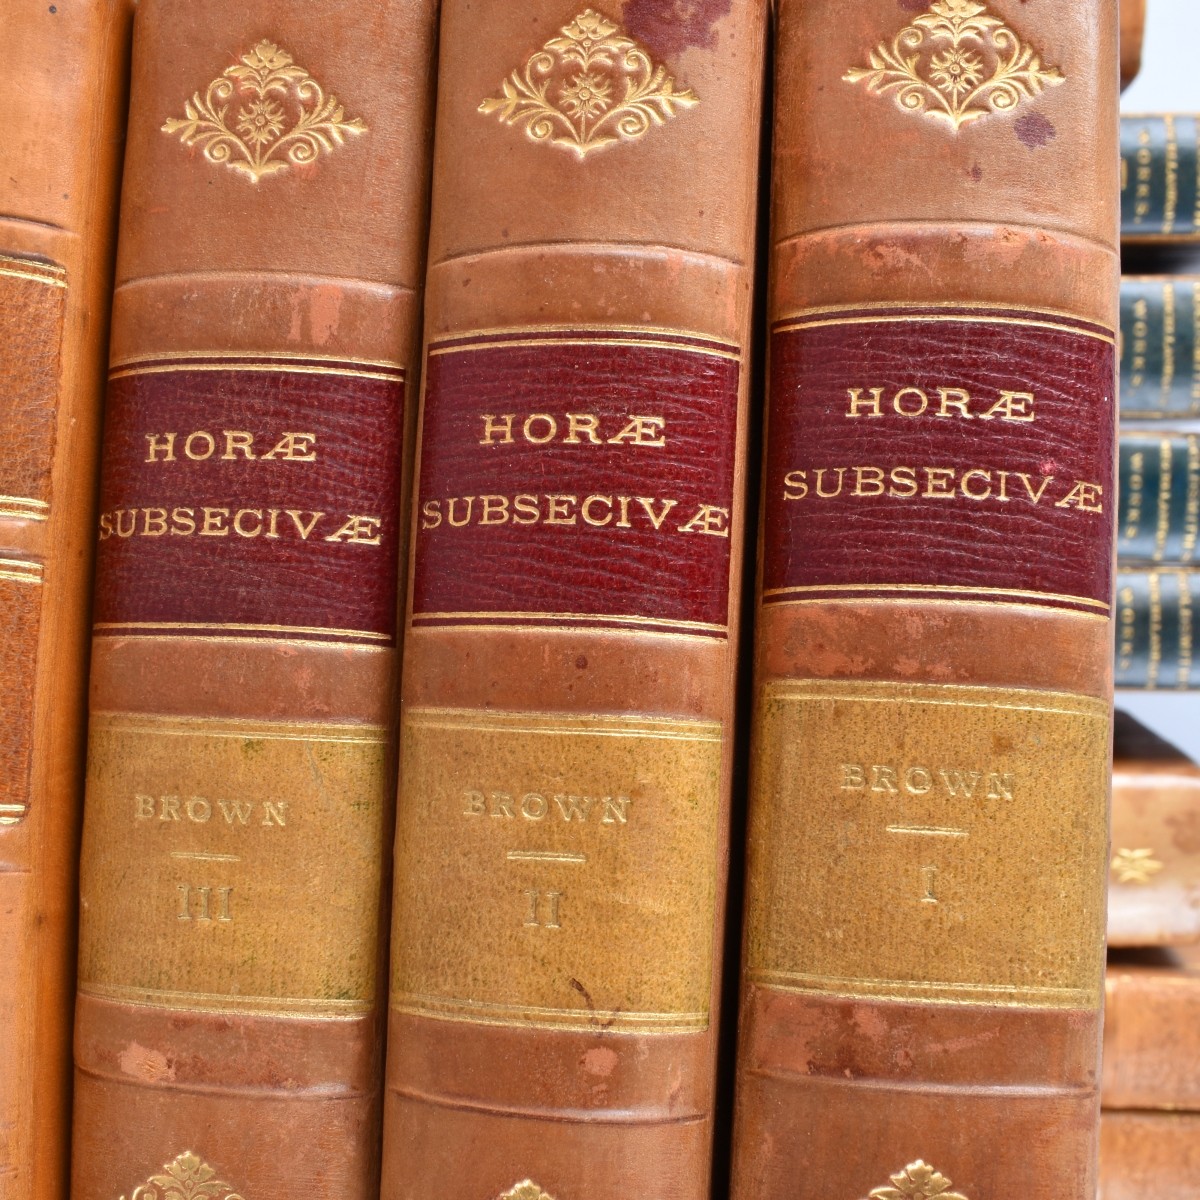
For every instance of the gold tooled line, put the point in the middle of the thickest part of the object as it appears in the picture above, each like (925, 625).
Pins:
(933, 587)
(237, 727)
(278, 1006)
(585, 724)
(708, 352)
(660, 332)
(263, 368)
(164, 356)
(622, 618)
(980, 320)
(199, 625)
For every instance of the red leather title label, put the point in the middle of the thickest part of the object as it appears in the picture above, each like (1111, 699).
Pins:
(940, 453)
(251, 497)
(577, 478)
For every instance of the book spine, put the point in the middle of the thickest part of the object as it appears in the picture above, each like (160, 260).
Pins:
(59, 167)
(1158, 507)
(1152, 1037)
(1160, 187)
(923, 970)
(1160, 346)
(1133, 29)
(1156, 623)
(1154, 871)
(241, 742)
(1149, 1154)
(567, 738)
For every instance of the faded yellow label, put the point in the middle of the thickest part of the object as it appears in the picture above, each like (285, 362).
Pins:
(556, 870)
(929, 842)
(233, 865)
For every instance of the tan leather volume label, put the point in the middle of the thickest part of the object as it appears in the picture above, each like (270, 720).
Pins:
(919, 841)
(233, 865)
(33, 297)
(556, 870)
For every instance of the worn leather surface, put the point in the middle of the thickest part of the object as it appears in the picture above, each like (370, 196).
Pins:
(260, 1060)
(1151, 1043)
(652, 234)
(1149, 1154)
(842, 1091)
(62, 82)
(1133, 30)
(1154, 874)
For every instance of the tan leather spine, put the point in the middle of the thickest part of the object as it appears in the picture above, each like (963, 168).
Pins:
(895, 1037)
(1145, 1154)
(1152, 1034)
(554, 989)
(241, 768)
(62, 91)
(1154, 871)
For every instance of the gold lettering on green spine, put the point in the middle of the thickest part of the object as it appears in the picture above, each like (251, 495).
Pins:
(929, 842)
(556, 870)
(233, 865)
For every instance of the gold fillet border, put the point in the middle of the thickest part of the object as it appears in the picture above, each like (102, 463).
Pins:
(21, 570)
(588, 724)
(252, 355)
(952, 589)
(952, 694)
(25, 508)
(234, 727)
(262, 368)
(273, 1006)
(469, 1012)
(420, 619)
(51, 274)
(951, 310)
(653, 336)
(197, 626)
(1008, 995)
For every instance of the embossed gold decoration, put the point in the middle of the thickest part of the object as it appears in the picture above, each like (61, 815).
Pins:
(525, 1190)
(264, 139)
(918, 1181)
(186, 1177)
(1135, 866)
(590, 88)
(956, 63)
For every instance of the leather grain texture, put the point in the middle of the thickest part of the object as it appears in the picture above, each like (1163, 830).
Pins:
(1154, 871)
(1149, 1154)
(922, 238)
(62, 87)
(242, 758)
(568, 690)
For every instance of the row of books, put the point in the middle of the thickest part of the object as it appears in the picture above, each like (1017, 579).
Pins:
(528, 346)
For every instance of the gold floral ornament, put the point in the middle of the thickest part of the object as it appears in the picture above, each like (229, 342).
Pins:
(590, 88)
(185, 1178)
(1135, 866)
(525, 1190)
(956, 63)
(243, 118)
(917, 1181)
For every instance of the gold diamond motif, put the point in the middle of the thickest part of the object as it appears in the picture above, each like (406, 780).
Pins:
(281, 116)
(184, 1178)
(525, 1190)
(590, 88)
(1135, 866)
(955, 64)
(917, 1181)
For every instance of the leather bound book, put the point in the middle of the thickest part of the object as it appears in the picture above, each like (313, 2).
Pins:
(1160, 346)
(1152, 1031)
(1158, 515)
(1149, 1155)
(927, 844)
(240, 779)
(62, 92)
(566, 742)
(1160, 188)
(1154, 870)
(1156, 629)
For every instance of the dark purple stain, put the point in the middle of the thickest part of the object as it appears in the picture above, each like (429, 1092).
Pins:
(1034, 129)
(977, 172)
(913, 6)
(668, 26)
